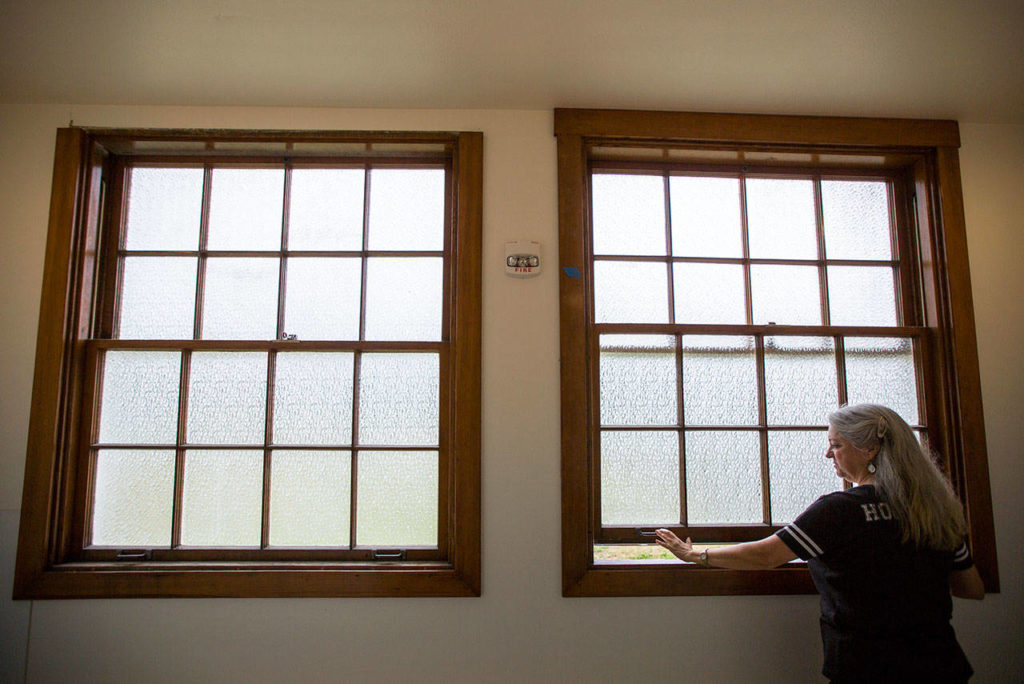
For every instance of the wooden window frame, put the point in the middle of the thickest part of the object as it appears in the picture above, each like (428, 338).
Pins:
(924, 153)
(51, 562)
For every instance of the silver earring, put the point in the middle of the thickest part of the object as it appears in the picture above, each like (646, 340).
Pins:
(871, 467)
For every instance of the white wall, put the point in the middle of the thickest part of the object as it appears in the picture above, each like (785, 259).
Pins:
(521, 629)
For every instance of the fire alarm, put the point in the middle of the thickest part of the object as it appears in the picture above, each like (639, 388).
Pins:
(522, 259)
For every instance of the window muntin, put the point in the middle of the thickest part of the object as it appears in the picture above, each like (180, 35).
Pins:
(213, 491)
(732, 311)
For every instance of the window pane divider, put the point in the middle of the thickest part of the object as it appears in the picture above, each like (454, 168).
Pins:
(177, 510)
(268, 426)
(739, 261)
(275, 253)
(769, 330)
(762, 418)
(266, 345)
(204, 234)
(710, 428)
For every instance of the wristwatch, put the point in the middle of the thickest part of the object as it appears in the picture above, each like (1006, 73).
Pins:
(704, 559)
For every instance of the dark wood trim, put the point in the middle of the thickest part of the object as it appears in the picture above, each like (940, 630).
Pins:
(671, 579)
(54, 340)
(267, 345)
(312, 581)
(738, 129)
(577, 538)
(197, 558)
(936, 307)
(762, 330)
(966, 397)
(466, 362)
(52, 562)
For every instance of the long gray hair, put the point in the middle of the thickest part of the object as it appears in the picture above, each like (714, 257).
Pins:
(921, 498)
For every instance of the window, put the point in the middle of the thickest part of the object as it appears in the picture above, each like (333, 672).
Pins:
(268, 379)
(728, 281)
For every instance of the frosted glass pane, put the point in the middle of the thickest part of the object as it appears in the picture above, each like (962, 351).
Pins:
(630, 292)
(222, 502)
(856, 217)
(322, 298)
(240, 302)
(133, 497)
(399, 399)
(325, 209)
(800, 380)
(706, 216)
(407, 209)
(404, 298)
(723, 477)
(780, 219)
(799, 472)
(309, 498)
(785, 295)
(709, 293)
(638, 386)
(861, 295)
(246, 209)
(313, 398)
(140, 397)
(629, 214)
(164, 209)
(719, 380)
(397, 498)
(158, 298)
(227, 398)
(639, 478)
(881, 371)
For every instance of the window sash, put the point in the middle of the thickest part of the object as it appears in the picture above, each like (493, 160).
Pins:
(763, 427)
(176, 550)
(606, 533)
(203, 253)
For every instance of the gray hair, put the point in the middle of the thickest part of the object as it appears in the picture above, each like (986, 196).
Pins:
(906, 476)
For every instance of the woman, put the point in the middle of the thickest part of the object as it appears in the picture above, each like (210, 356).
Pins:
(884, 555)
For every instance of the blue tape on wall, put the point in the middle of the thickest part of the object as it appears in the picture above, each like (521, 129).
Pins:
(572, 271)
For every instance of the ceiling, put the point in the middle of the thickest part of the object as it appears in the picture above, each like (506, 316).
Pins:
(917, 58)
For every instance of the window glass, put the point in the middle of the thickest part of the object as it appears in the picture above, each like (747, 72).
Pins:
(706, 218)
(629, 214)
(325, 210)
(164, 208)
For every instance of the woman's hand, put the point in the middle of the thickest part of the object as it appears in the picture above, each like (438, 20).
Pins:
(682, 550)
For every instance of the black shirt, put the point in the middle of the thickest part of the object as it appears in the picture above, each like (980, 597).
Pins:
(885, 605)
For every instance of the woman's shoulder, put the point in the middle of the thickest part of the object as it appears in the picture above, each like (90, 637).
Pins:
(860, 501)
(854, 496)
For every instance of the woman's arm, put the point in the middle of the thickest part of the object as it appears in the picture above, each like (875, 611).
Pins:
(967, 584)
(764, 554)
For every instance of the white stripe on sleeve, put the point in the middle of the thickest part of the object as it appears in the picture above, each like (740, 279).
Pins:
(813, 550)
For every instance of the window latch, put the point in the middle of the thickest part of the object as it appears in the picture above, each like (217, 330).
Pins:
(646, 533)
(389, 555)
(135, 556)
